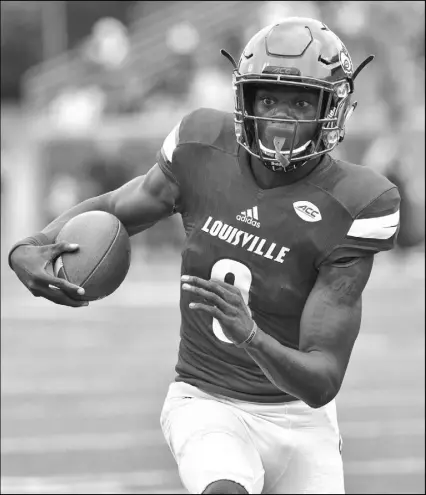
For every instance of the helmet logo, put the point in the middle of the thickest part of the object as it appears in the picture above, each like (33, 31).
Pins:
(285, 71)
(345, 61)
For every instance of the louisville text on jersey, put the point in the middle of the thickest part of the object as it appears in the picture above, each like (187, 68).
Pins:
(251, 242)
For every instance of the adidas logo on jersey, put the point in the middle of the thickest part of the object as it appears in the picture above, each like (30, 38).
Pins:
(250, 216)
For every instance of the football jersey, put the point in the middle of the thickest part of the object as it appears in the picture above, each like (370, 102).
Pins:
(269, 243)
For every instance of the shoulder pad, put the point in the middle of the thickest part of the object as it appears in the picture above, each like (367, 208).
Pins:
(204, 126)
(373, 203)
(353, 186)
(379, 219)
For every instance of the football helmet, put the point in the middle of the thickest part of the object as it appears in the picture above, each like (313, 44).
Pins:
(296, 52)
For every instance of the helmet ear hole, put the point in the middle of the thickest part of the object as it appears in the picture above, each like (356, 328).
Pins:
(249, 92)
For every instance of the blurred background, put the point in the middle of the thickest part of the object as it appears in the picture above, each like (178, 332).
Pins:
(89, 90)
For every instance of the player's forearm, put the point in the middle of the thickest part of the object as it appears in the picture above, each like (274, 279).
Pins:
(134, 221)
(98, 203)
(305, 375)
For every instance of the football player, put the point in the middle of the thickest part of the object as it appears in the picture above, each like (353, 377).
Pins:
(280, 240)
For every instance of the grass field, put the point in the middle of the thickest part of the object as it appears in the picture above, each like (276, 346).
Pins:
(82, 389)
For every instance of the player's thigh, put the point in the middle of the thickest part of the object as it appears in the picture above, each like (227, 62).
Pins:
(314, 469)
(316, 463)
(209, 443)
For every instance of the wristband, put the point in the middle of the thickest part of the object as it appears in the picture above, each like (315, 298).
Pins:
(35, 240)
(249, 338)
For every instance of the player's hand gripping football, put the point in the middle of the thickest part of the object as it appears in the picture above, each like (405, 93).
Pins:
(31, 265)
(221, 301)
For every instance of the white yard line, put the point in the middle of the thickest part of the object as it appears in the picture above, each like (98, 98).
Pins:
(14, 388)
(102, 483)
(388, 467)
(133, 295)
(70, 387)
(80, 442)
(146, 406)
(382, 428)
(120, 483)
(381, 398)
(153, 437)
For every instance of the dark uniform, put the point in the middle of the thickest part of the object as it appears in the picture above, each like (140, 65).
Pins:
(268, 243)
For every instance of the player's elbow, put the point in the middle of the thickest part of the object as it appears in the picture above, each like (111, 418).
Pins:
(324, 391)
(321, 400)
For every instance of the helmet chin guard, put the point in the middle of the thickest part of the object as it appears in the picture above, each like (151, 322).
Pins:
(277, 155)
(298, 52)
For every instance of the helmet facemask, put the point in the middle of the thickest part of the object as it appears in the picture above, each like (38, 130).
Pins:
(334, 101)
(297, 52)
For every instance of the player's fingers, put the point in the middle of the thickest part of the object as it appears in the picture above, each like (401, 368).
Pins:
(225, 285)
(211, 310)
(58, 297)
(209, 296)
(64, 285)
(228, 292)
(233, 296)
(210, 285)
(63, 247)
(55, 296)
(229, 288)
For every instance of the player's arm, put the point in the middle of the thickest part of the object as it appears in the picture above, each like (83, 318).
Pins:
(329, 326)
(138, 204)
(328, 329)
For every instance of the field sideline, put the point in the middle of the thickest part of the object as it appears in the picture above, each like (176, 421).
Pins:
(82, 389)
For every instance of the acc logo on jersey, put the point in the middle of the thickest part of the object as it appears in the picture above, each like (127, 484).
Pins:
(307, 211)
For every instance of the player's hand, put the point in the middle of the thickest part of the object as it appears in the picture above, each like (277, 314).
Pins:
(30, 263)
(222, 301)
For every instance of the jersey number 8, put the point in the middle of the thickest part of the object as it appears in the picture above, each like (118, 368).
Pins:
(237, 274)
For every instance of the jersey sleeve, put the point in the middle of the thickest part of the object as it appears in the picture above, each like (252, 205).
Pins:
(202, 127)
(165, 155)
(374, 229)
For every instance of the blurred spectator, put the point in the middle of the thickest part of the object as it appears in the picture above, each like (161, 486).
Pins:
(212, 88)
(76, 109)
(64, 193)
(412, 230)
(106, 171)
(108, 44)
(388, 156)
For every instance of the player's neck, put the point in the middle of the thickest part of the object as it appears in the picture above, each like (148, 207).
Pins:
(267, 179)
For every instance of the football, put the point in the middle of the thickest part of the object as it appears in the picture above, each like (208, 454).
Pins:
(103, 260)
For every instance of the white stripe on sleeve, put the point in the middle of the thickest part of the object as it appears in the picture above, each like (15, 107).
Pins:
(375, 228)
(171, 142)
